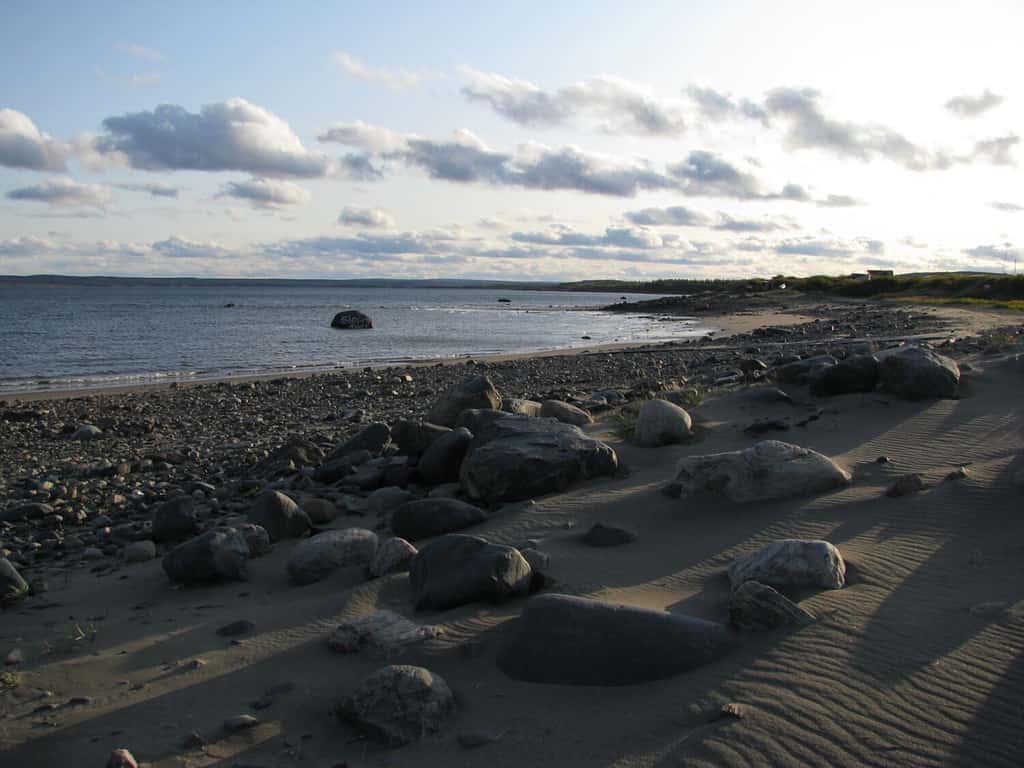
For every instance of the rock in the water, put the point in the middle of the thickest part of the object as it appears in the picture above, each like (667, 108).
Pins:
(279, 516)
(12, 586)
(791, 563)
(393, 556)
(139, 552)
(217, 555)
(477, 392)
(520, 457)
(767, 470)
(457, 569)
(516, 405)
(855, 374)
(906, 485)
(601, 535)
(414, 437)
(381, 633)
(399, 704)
(574, 641)
(317, 557)
(661, 423)
(351, 319)
(916, 373)
(441, 461)
(755, 607)
(373, 438)
(175, 520)
(565, 413)
(433, 517)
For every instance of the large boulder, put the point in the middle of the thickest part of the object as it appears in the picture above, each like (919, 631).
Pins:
(565, 412)
(765, 471)
(380, 633)
(661, 423)
(855, 374)
(441, 461)
(399, 704)
(432, 517)
(175, 520)
(351, 319)
(279, 516)
(456, 569)
(217, 555)
(12, 586)
(519, 406)
(575, 641)
(476, 419)
(755, 607)
(520, 457)
(321, 555)
(414, 437)
(803, 371)
(791, 563)
(916, 373)
(477, 392)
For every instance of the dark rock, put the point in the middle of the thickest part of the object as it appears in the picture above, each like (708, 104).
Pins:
(240, 723)
(373, 438)
(217, 555)
(855, 374)
(476, 419)
(332, 471)
(399, 704)
(121, 758)
(906, 485)
(393, 556)
(175, 520)
(235, 628)
(414, 437)
(477, 392)
(565, 412)
(441, 461)
(519, 457)
(601, 535)
(351, 319)
(755, 607)
(574, 641)
(33, 510)
(767, 395)
(766, 425)
(320, 555)
(432, 517)
(298, 452)
(802, 371)
(916, 373)
(279, 516)
(456, 569)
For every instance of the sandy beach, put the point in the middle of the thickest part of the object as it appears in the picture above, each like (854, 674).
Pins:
(918, 660)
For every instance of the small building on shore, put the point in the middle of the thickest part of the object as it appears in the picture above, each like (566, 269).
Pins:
(874, 274)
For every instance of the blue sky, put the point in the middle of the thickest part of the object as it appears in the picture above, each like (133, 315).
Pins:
(537, 140)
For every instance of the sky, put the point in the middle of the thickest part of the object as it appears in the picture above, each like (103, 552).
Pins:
(562, 140)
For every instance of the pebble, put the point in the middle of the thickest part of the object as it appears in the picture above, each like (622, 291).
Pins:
(240, 723)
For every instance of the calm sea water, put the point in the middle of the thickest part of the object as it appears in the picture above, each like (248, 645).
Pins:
(67, 336)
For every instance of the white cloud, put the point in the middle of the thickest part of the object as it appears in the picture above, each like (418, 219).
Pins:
(370, 218)
(139, 51)
(232, 135)
(393, 78)
(63, 192)
(23, 145)
(266, 193)
(154, 189)
(970, 105)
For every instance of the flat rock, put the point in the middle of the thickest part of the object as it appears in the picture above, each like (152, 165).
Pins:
(321, 555)
(754, 607)
(569, 640)
(601, 535)
(917, 373)
(279, 516)
(441, 461)
(393, 556)
(432, 517)
(399, 704)
(217, 555)
(476, 392)
(457, 569)
(803, 371)
(520, 457)
(791, 563)
(767, 470)
(661, 423)
(565, 412)
(381, 633)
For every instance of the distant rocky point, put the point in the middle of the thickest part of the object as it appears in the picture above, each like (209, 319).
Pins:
(351, 319)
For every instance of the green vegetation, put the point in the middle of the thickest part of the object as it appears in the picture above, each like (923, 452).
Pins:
(978, 289)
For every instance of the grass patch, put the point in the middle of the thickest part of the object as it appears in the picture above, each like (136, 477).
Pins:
(972, 301)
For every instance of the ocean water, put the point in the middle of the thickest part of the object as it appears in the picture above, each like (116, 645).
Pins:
(76, 335)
